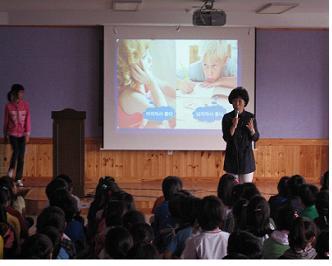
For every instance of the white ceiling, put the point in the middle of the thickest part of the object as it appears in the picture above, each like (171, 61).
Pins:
(309, 13)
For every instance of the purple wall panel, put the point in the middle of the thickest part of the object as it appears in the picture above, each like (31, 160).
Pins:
(292, 83)
(60, 68)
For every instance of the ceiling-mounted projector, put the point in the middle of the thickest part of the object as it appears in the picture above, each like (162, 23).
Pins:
(208, 16)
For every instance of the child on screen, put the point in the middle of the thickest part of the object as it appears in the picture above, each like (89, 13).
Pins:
(138, 87)
(211, 70)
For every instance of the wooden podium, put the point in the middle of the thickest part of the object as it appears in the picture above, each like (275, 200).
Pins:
(68, 146)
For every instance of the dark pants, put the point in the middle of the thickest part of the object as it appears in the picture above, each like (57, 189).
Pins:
(18, 145)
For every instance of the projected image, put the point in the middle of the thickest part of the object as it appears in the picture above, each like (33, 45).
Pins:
(146, 84)
(206, 72)
(174, 84)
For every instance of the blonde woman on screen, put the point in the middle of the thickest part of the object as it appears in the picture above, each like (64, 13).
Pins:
(138, 87)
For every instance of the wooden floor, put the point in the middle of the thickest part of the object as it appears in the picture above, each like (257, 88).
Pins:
(144, 192)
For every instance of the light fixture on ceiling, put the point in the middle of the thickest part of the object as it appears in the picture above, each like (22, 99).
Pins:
(126, 5)
(276, 8)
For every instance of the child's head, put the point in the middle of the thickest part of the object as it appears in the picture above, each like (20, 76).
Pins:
(54, 186)
(322, 245)
(308, 194)
(114, 212)
(225, 188)
(322, 204)
(64, 200)
(55, 236)
(68, 180)
(17, 92)
(118, 242)
(240, 214)
(244, 243)
(324, 181)
(130, 52)
(258, 216)
(212, 213)
(131, 218)
(126, 198)
(143, 251)
(294, 184)
(183, 208)
(215, 56)
(5, 196)
(302, 234)
(51, 216)
(283, 186)
(171, 185)
(38, 246)
(142, 232)
(285, 217)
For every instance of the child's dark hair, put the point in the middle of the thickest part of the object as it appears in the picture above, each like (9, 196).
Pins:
(325, 181)
(38, 246)
(15, 89)
(4, 196)
(126, 198)
(239, 92)
(258, 216)
(143, 251)
(225, 187)
(114, 212)
(184, 208)
(283, 186)
(244, 243)
(322, 245)
(308, 194)
(118, 242)
(51, 216)
(6, 181)
(302, 233)
(322, 206)
(294, 184)
(171, 185)
(240, 214)
(142, 232)
(54, 186)
(131, 218)
(64, 200)
(285, 217)
(67, 178)
(55, 236)
(212, 213)
(249, 191)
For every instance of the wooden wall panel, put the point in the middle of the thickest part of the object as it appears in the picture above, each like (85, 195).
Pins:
(274, 158)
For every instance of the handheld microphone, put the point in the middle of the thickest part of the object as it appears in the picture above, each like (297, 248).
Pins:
(236, 113)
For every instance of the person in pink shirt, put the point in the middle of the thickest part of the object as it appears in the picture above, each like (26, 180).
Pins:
(17, 126)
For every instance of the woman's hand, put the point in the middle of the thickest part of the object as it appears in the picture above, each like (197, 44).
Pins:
(251, 127)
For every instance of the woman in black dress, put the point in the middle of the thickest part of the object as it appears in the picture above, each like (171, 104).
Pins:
(239, 131)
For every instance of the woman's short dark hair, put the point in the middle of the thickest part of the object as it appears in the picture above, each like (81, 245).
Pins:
(301, 233)
(38, 246)
(225, 188)
(212, 213)
(239, 92)
(118, 242)
(244, 243)
(171, 185)
(143, 251)
(258, 216)
(308, 194)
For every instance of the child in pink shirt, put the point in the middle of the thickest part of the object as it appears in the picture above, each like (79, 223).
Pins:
(17, 126)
